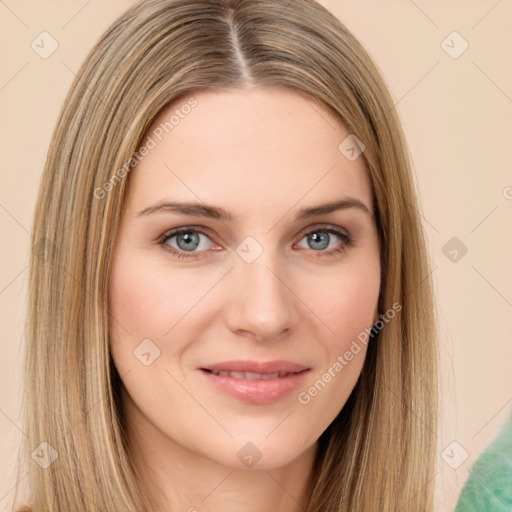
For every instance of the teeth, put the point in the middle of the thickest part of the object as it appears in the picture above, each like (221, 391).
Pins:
(250, 375)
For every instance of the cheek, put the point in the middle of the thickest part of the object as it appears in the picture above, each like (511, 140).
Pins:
(141, 305)
(348, 304)
(148, 300)
(347, 307)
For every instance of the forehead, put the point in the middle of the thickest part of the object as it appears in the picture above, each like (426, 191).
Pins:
(247, 149)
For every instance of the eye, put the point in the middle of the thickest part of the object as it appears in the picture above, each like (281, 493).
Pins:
(185, 242)
(188, 239)
(321, 237)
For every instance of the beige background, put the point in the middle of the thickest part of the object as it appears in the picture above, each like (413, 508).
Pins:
(457, 117)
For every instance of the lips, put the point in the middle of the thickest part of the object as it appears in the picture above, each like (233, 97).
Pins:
(256, 382)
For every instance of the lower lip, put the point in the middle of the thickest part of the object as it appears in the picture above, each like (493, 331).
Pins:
(258, 391)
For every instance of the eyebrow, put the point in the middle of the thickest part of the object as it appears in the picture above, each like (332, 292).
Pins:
(216, 212)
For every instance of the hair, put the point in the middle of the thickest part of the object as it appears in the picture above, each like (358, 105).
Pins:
(379, 452)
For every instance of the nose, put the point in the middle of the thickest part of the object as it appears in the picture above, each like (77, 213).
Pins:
(262, 304)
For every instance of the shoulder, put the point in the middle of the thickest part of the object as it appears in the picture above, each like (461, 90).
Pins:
(488, 485)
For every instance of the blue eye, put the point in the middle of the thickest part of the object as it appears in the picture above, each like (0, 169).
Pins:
(320, 239)
(188, 239)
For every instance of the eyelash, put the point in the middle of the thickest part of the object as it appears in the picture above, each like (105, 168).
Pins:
(347, 240)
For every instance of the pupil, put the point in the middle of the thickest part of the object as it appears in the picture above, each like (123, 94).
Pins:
(188, 239)
(323, 239)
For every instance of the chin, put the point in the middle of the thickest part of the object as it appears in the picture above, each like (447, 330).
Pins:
(258, 454)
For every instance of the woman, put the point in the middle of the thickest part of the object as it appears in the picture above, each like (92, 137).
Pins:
(192, 342)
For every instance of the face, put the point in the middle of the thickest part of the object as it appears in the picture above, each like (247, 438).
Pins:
(234, 303)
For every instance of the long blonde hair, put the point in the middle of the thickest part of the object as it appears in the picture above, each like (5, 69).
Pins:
(379, 453)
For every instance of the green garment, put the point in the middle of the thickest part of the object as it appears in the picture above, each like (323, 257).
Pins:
(489, 485)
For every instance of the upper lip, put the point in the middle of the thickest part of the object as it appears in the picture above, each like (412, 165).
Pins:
(263, 367)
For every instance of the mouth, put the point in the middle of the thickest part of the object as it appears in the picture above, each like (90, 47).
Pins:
(251, 375)
(258, 367)
(258, 383)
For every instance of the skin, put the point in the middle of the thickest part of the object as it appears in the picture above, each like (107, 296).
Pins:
(262, 154)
